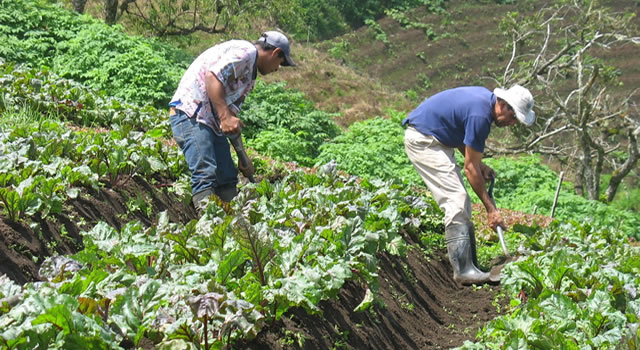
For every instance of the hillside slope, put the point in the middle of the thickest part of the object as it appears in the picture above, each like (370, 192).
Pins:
(418, 54)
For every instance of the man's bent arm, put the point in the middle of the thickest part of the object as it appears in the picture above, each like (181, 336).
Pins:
(215, 90)
(473, 171)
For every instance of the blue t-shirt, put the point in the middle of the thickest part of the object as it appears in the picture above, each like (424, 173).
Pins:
(456, 117)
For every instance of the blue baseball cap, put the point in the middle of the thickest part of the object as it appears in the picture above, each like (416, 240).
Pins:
(280, 41)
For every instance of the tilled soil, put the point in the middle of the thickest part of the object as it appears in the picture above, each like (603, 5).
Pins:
(24, 247)
(419, 306)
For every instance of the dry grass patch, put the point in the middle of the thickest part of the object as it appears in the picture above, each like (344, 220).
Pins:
(336, 88)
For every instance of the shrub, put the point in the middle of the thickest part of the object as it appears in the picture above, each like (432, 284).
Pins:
(372, 148)
(137, 69)
(283, 144)
(272, 107)
(124, 66)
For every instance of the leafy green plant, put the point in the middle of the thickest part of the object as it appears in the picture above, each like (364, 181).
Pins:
(103, 57)
(285, 145)
(339, 49)
(372, 148)
(45, 95)
(291, 243)
(402, 18)
(282, 122)
(128, 67)
(577, 286)
(378, 33)
(19, 201)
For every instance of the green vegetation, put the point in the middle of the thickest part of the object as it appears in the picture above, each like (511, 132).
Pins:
(323, 19)
(71, 125)
(373, 148)
(139, 70)
(526, 184)
(297, 242)
(284, 124)
(577, 285)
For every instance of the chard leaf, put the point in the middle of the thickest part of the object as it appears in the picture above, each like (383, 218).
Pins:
(337, 275)
(242, 316)
(601, 323)
(8, 288)
(397, 246)
(135, 310)
(231, 262)
(206, 305)
(59, 316)
(176, 344)
(516, 340)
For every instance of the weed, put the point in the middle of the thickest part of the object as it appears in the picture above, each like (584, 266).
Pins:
(402, 300)
(378, 33)
(425, 81)
(421, 56)
(409, 274)
(342, 342)
(340, 49)
(139, 203)
(291, 338)
(412, 95)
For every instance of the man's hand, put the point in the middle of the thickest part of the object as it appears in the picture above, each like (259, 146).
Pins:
(230, 124)
(494, 219)
(487, 172)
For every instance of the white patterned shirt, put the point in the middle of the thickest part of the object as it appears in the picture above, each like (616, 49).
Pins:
(234, 64)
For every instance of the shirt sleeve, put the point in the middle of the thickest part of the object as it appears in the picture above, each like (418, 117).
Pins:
(476, 132)
(231, 65)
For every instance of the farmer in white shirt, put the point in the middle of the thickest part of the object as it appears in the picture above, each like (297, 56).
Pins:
(206, 104)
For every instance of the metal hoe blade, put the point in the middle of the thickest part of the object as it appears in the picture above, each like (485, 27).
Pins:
(502, 243)
(499, 229)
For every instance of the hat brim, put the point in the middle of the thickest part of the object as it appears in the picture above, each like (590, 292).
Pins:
(526, 119)
(288, 62)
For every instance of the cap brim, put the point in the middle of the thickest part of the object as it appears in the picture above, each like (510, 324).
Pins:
(288, 62)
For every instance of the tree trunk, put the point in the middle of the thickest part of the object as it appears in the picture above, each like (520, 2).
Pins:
(587, 169)
(110, 11)
(578, 183)
(620, 173)
(78, 5)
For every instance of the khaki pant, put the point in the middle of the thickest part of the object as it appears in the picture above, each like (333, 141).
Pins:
(437, 166)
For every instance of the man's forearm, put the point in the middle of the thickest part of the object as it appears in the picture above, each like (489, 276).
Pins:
(215, 92)
(476, 180)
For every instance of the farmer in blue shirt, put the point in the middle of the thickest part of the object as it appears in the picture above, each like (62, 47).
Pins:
(461, 118)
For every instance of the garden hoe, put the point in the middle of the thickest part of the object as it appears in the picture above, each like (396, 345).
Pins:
(494, 275)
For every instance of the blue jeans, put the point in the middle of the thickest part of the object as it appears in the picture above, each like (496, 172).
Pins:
(208, 156)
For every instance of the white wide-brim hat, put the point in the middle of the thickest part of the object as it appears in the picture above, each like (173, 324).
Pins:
(521, 100)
